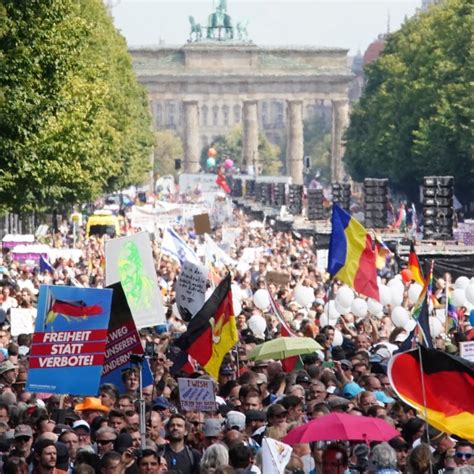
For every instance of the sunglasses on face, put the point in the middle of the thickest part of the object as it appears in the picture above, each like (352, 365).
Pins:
(23, 439)
(103, 442)
(464, 455)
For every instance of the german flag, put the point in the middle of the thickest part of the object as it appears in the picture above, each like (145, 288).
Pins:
(212, 333)
(448, 383)
(414, 266)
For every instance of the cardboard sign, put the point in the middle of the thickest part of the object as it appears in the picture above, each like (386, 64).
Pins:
(202, 224)
(278, 278)
(68, 349)
(122, 341)
(191, 289)
(197, 395)
(129, 260)
(22, 321)
(466, 350)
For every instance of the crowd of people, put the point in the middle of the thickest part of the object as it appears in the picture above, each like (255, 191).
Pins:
(44, 433)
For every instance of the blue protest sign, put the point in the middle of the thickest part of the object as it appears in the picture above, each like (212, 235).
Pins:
(122, 341)
(68, 347)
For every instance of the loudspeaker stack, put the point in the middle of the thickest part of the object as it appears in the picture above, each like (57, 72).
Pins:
(341, 195)
(258, 192)
(295, 199)
(438, 207)
(316, 211)
(267, 194)
(250, 188)
(375, 202)
(279, 194)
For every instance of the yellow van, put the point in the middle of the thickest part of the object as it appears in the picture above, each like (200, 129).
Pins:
(103, 223)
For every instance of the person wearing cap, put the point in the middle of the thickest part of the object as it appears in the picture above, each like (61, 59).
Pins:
(90, 408)
(226, 373)
(83, 432)
(235, 420)
(7, 373)
(277, 416)
(22, 442)
(162, 406)
(401, 450)
(212, 429)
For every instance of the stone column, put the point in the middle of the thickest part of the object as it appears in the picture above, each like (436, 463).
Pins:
(191, 136)
(340, 120)
(295, 143)
(249, 135)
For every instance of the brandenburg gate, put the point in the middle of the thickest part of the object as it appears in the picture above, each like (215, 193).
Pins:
(217, 80)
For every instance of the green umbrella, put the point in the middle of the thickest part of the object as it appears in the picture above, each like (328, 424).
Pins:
(284, 347)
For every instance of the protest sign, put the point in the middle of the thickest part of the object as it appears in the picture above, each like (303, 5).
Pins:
(466, 350)
(69, 341)
(191, 289)
(202, 224)
(197, 395)
(277, 278)
(275, 456)
(22, 321)
(122, 341)
(129, 260)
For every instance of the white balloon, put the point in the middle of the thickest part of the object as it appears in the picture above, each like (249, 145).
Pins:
(436, 328)
(458, 297)
(237, 306)
(338, 339)
(385, 295)
(379, 315)
(400, 316)
(359, 308)
(396, 283)
(470, 292)
(258, 325)
(236, 292)
(410, 325)
(374, 307)
(414, 292)
(323, 320)
(341, 309)
(331, 311)
(461, 282)
(261, 299)
(397, 296)
(345, 296)
(304, 296)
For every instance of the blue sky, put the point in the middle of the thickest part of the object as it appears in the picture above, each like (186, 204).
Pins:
(352, 24)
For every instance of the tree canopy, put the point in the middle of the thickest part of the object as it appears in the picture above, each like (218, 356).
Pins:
(74, 122)
(168, 148)
(415, 116)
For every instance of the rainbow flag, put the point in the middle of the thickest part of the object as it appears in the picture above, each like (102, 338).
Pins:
(414, 266)
(352, 257)
(383, 253)
(452, 320)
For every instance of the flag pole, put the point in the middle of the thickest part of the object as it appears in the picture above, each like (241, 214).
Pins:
(425, 412)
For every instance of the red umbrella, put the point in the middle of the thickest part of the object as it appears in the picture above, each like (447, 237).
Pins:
(340, 426)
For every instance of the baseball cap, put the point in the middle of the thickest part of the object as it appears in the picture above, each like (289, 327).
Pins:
(212, 427)
(346, 363)
(226, 370)
(254, 415)
(276, 410)
(6, 366)
(261, 378)
(381, 396)
(351, 390)
(235, 419)
(23, 430)
(81, 424)
(161, 402)
(303, 378)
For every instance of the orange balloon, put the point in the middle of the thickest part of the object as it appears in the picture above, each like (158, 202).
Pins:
(407, 275)
(211, 152)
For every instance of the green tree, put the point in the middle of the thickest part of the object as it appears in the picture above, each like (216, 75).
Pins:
(75, 122)
(416, 114)
(317, 145)
(168, 148)
(230, 146)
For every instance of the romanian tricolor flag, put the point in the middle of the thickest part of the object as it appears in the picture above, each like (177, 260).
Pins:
(352, 257)
(414, 266)
(212, 333)
(440, 387)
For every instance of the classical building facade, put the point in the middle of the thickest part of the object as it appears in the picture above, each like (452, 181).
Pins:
(202, 89)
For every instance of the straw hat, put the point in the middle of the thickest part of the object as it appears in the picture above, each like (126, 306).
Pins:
(91, 403)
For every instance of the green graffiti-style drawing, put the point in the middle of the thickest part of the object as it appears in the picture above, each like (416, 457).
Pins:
(138, 287)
